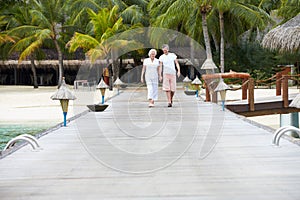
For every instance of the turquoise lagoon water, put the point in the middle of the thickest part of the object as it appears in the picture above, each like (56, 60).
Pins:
(9, 131)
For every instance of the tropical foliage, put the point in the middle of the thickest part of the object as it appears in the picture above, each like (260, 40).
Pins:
(104, 25)
(230, 30)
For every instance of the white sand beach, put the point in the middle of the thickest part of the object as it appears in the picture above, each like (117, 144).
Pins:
(25, 105)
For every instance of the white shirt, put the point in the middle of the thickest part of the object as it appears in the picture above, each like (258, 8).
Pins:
(168, 62)
(151, 68)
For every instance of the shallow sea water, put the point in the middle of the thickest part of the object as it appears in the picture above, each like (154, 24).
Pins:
(9, 131)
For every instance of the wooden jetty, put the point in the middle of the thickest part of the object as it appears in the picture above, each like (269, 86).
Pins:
(193, 150)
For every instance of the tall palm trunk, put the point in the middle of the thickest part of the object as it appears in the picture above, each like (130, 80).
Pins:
(115, 69)
(60, 62)
(216, 42)
(33, 69)
(221, 20)
(206, 36)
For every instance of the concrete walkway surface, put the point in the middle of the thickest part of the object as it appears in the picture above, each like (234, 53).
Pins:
(190, 151)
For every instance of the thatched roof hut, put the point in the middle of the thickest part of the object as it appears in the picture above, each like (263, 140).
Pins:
(285, 37)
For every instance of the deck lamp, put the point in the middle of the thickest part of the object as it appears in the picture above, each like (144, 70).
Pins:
(186, 83)
(118, 83)
(102, 87)
(221, 88)
(196, 82)
(63, 94)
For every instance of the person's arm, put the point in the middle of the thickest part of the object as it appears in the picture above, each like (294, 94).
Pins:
(178, 67)
(142, 75)
(160, 71)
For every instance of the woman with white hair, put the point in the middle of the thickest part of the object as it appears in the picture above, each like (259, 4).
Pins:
(151, 67)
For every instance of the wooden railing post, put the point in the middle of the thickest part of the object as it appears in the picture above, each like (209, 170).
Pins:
(251, 94)
(207, 95)
(244, 89)
(278, 83)
(285, 91)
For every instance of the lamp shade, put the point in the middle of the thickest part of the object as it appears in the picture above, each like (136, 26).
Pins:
(187, 80)
(221, 86)
(208, 64)
(102, 85)
(196, 81)
(118, 82)
(63, 92)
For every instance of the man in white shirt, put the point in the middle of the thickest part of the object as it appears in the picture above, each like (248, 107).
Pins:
(168, 61)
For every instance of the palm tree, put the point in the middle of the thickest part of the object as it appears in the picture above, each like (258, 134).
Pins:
(289, 9)
(21, 40)
(3, 35)
(45, 25)
(97, 43)
(249, 14)
(189, 15)
(186, 16)
(132, 11)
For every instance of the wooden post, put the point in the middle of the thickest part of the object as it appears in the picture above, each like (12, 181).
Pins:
(251, 94)
(16, 74)
(244, 89)
(214, 97)
(207, 95)
(278, 83)
(285, 91)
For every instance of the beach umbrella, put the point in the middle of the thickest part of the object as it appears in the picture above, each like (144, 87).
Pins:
(118, 83)
(102, 87)
(197, 83)
(285, 37)
(63, 94)
(222, 87)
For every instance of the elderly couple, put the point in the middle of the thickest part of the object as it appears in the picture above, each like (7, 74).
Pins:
(153, 68)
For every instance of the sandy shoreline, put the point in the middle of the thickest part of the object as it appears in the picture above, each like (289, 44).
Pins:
(25, 105)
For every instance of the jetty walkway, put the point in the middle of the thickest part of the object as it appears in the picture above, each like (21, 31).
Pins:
(193, 150)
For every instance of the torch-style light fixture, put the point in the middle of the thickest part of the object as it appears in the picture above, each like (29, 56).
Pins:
(186, 83)
(118, 83)
(222, 87)
(196, 82)
(102, 87)
(63, 94)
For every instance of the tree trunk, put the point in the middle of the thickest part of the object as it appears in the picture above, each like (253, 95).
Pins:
(216, 42)
(206, 36)
(33, 69)
(60, 62)
(115, 68)
(222, 49)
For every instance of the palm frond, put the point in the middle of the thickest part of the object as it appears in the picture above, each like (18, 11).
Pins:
(4, 38)
(97, 53)
(22, 31)
(132, 15)
(40, 19)
(82, 41)
(176, 14)
(252, 15)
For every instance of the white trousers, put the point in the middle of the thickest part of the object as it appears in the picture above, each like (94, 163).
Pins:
(152, 86)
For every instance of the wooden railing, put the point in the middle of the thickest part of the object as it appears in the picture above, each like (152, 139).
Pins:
(281, 81)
